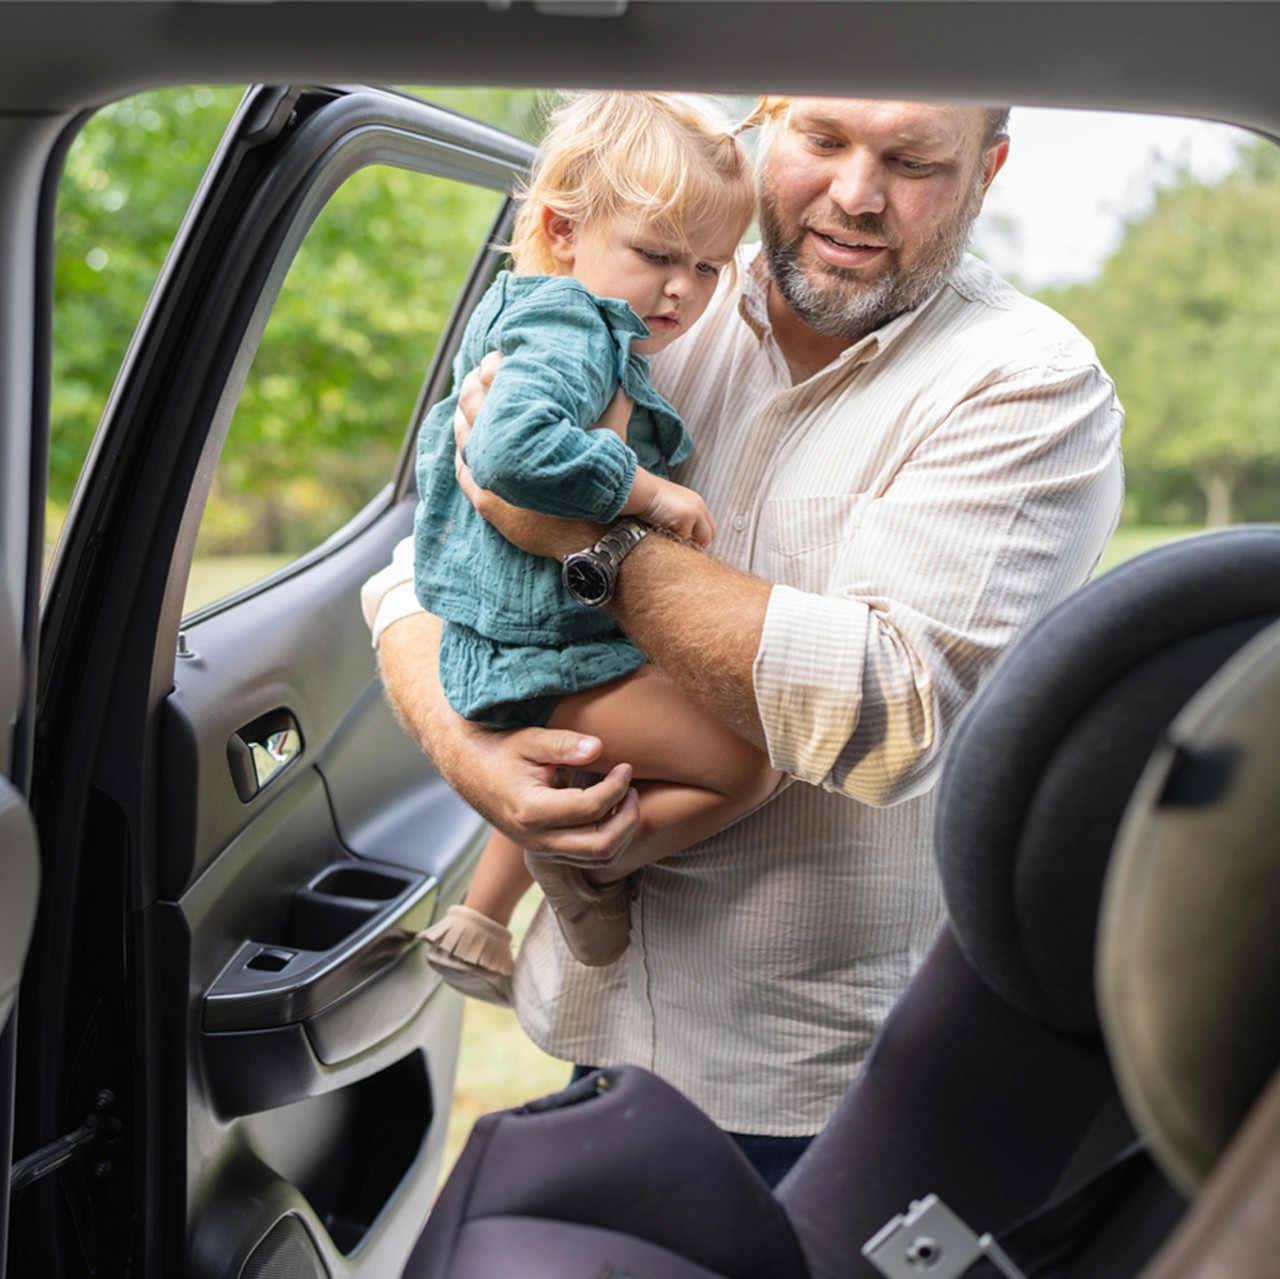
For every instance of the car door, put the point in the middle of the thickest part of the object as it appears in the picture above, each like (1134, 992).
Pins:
(240, 843)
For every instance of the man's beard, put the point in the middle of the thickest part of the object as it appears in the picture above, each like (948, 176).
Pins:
(839, 304)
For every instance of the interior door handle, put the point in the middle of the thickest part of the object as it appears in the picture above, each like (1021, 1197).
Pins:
(260, 751)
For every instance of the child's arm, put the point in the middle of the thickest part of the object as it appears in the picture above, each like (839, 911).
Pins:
(532, 445)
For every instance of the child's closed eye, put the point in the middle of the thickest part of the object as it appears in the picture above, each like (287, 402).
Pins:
(653, 257)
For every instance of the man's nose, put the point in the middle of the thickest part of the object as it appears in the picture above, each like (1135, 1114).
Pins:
(858, 185)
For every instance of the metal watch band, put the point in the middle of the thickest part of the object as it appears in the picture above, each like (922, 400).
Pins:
(620, 541)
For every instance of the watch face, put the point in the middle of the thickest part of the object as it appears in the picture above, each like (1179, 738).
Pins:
(586, 580)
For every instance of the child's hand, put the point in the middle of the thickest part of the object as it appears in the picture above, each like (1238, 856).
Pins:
(668, 505)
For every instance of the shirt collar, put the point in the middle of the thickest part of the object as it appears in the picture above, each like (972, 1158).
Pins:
(753, 307)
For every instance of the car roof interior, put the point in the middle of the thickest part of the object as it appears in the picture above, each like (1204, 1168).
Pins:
(1209, 59)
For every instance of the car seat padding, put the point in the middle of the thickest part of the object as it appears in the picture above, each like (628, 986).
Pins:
(1189, 973)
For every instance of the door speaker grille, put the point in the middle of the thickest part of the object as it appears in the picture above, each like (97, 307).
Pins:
(286, 1252)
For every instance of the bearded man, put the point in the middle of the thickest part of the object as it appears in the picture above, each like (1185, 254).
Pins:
(909, 462)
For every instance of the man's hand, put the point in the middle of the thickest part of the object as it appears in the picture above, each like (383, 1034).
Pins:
(525, 797)
(511, 779)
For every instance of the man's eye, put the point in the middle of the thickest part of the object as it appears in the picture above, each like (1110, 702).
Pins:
(820, 143)
(919, 167)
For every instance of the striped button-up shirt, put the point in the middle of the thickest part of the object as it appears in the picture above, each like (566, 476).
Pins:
(917, 504)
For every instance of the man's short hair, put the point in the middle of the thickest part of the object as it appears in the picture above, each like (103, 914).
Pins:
(997, 124)
(769, 110)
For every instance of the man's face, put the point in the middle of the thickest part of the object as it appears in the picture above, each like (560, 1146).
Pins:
(865, 206)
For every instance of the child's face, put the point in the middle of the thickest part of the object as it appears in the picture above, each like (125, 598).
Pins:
(666, 284)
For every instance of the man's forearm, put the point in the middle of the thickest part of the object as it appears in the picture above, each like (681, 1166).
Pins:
(700, 621)
(408, 655)
(691, 615)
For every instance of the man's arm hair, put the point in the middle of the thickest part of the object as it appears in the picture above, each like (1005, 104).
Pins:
(700, 621)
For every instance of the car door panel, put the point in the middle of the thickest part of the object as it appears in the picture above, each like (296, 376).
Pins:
(19, 886)
(277, 839)
(312, 968)
(19, 862)
(302, 648)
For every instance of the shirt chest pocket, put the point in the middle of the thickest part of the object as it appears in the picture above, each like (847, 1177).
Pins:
(801, 538)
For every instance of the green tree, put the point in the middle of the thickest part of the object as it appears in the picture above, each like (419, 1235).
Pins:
(1183, 316)
(129, 177)
(328, 399)
(325, 407)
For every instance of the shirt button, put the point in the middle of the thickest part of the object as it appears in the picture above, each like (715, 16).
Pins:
(739, 522)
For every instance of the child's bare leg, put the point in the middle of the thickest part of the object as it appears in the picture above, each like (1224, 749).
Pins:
(693, 775)
(470, 946)
(700, 775)
(500, 879)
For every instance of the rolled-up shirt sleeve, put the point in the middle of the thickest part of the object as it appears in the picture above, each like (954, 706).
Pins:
(974, 531)
(388, 596)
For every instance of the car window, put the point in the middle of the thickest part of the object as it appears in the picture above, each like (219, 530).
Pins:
(1153, 235)
(129, 176)
(324, 409)
(329, 395)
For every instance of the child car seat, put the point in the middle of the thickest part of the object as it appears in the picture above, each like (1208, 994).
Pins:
(990, 1085)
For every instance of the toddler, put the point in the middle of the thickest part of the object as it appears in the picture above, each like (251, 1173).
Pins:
(636, 204)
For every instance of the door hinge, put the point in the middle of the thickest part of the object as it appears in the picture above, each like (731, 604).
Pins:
(99, 1135)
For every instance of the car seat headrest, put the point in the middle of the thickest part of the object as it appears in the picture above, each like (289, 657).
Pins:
(1045, 760)
(1189, 949)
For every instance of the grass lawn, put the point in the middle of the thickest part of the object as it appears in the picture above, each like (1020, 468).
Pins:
(1133, 540)
(217, 576)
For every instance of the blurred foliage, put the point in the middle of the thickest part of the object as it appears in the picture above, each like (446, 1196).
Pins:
(329, 396)
(1184, 317)
(1181, 314)
(129, 177)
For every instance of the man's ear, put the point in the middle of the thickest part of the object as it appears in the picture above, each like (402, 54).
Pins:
(558, 231)
(993, 159)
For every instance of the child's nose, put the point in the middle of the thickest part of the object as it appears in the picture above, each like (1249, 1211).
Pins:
(680, 283)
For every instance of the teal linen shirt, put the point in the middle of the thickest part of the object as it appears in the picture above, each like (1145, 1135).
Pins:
(513, 635)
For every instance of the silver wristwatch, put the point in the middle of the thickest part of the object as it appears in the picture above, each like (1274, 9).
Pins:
(591, 575)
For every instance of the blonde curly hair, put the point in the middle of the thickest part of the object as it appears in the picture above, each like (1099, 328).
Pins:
(671, 161)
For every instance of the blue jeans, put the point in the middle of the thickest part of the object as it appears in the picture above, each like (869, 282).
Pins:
(771, 1157)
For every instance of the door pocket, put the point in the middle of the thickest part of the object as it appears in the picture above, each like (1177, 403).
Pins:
(345, 975)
